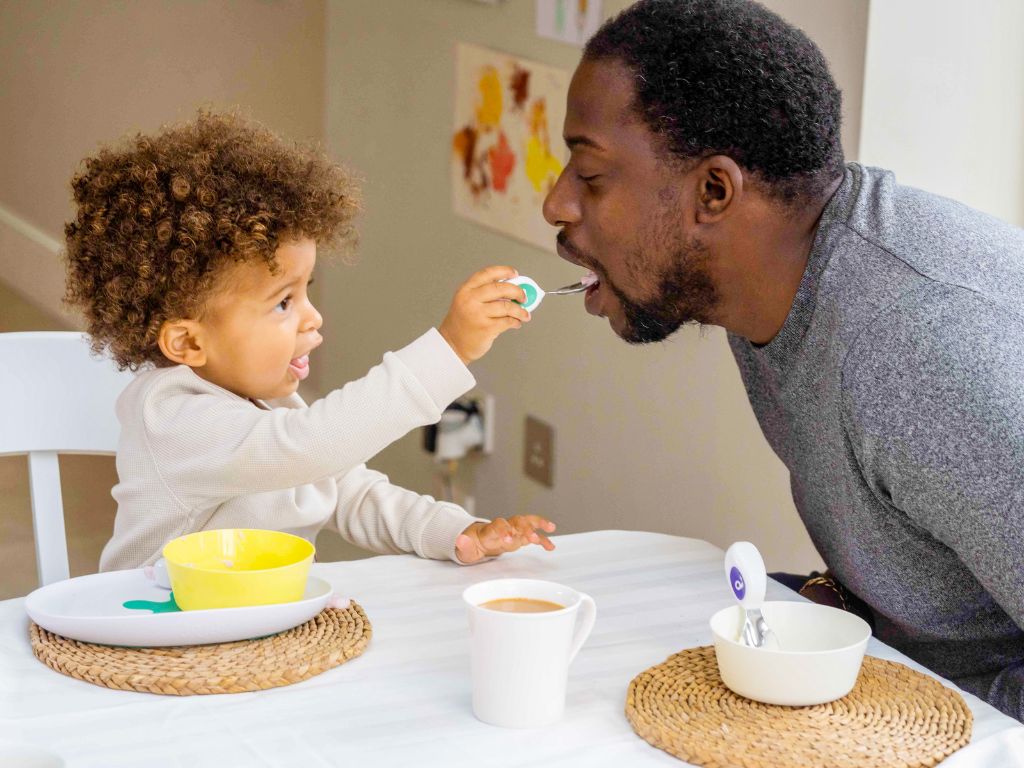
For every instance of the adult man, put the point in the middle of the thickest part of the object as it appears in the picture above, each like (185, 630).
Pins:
(879, 330)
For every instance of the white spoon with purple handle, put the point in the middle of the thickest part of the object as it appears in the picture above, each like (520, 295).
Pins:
(744, 567)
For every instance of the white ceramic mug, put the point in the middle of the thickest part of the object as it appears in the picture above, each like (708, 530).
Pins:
(520, 661)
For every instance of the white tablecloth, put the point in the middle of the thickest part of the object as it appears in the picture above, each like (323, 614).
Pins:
(405, 701)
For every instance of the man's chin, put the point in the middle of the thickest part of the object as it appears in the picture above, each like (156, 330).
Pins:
(637, 333)
(625, 330)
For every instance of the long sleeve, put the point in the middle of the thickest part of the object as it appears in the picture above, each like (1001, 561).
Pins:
(894, 394)
(388, 519)
(209, 445)
(938, 424)
(193, 456)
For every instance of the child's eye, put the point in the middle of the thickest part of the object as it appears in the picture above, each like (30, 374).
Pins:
(284, 304)
(588, 180)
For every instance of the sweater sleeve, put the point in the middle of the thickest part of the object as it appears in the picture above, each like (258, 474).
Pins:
(936, 418)
(385, 518)
(209, 445)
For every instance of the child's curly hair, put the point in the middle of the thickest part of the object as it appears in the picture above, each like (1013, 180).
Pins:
(159, 218)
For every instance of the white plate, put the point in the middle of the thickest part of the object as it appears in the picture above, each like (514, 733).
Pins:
(92, 609)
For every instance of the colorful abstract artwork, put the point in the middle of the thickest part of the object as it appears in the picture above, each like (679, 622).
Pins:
(570, 21)
(507, 150)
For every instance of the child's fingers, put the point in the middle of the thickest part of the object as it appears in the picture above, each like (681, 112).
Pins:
(529, 526)
(509, 535)
(499, 292)
(545, 542)
(496, 534)
(506, 309)
(536, 521)
(490, 275)
(515, 535)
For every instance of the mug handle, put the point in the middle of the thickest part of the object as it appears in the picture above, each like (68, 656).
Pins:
(585, 623)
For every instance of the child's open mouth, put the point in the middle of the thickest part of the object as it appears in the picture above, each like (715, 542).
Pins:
(300, 367)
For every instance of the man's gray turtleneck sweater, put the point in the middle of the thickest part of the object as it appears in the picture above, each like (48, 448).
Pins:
(894, 393)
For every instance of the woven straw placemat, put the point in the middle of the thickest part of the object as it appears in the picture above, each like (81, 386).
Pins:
(330, 638)
(893, 717)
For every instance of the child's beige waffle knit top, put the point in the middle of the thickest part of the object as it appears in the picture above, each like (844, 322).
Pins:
(194, 456)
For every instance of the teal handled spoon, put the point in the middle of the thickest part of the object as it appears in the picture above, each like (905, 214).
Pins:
(535, 294)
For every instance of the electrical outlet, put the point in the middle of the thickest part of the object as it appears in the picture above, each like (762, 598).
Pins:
(539, 453)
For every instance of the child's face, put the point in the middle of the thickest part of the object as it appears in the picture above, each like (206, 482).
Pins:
(260, 327)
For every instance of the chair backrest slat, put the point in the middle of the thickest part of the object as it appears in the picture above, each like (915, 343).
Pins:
(57, 397)
(48, 527)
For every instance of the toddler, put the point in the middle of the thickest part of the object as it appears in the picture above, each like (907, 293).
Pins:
(190, 255)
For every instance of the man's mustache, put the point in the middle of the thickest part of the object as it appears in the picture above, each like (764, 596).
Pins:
(563, 240)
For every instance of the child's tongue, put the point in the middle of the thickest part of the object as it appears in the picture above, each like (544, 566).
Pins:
(300, 367)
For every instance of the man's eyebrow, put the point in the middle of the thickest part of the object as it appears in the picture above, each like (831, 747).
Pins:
(572, 142)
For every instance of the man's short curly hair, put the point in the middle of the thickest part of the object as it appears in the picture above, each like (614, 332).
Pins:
(730, 77)
(159, 218)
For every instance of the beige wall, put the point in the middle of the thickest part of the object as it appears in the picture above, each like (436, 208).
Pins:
(658, 438)
(944, 99)
(75, 73)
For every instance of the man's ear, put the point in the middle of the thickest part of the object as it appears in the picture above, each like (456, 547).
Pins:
(719, 188)
(181, 341)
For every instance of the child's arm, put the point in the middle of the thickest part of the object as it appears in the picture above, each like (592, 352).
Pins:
(209, 445)
(384, 518)
(381, 517)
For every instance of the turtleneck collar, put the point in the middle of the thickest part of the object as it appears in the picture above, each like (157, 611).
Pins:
(779, 351)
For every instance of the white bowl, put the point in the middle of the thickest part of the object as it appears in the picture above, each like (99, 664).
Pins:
(820, 653)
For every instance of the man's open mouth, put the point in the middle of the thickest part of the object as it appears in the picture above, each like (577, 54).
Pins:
(570, 253)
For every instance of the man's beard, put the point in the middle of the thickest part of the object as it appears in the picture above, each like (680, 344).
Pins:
(685, 294)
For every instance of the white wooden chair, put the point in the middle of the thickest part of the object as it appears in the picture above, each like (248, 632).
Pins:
(56, 398)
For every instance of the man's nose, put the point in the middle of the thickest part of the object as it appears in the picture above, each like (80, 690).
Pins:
(560, 205)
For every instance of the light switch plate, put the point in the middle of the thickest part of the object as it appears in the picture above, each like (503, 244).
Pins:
(539, 451)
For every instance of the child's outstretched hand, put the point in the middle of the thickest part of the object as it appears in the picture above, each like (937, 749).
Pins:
(483, 308)
(482, 540)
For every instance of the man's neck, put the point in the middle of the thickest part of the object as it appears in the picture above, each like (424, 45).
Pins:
(772, 247)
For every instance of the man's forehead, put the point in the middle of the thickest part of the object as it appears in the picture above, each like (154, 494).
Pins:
(600, 103)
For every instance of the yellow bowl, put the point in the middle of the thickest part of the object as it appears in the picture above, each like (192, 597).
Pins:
(236, 567)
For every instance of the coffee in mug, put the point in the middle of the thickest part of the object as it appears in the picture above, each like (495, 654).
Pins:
(521, 605)
(519, 658)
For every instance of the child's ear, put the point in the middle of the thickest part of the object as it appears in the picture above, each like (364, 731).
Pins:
(181, 343)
